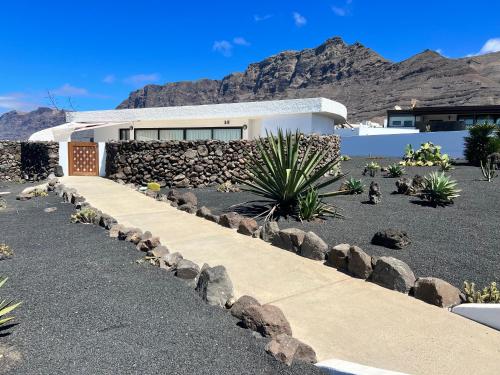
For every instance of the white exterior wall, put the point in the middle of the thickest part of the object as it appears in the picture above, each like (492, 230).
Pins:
(322, 125)
(303, 122)
(364, 130)
(63, 157)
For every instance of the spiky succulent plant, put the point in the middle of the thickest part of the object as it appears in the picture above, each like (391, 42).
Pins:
(395, 170)
(439, 189)
(352, 186)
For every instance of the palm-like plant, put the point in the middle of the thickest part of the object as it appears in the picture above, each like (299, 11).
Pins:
(311, 206)
(277, 172)
(439, 189)
(395, 170)
(6, 307)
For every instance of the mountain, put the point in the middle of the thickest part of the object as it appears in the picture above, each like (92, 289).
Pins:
(367, 83)
(16, 125)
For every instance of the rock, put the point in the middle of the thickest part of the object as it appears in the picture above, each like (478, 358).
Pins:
(107, 221)
(268, 320)
(313, 247)
(214, 286)
(152, 194)
(393, 274)
(436, 292)
(214, 218)
(247, 226)
(173, 195)
(158, 252)
(404, 186)
(287, 349)
(59, 171)
(187, 198)
(148, 244)
(242, 303)
(114, 231)
(374, 194)
(230, 220)
(337, 257)
(171, 260)
(269, 230)
(203, 212)
(418, 183)
(359, 263)
(134, 236)
(187, 207)
(202, 150)
(187, 270)
(50, 209)
(391, 238)
(289, 239)
(23, 197)
(256, 234)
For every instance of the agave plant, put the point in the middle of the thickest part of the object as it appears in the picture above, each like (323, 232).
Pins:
(6, 307)
(352, 186)
(371, 168)
(281, 176)
(395, 170)
(311, 206)
(439, 189)
(488, 171)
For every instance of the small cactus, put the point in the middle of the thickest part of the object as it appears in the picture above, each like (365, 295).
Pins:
(154, 186)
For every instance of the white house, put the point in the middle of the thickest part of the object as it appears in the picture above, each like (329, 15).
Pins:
(212, 121)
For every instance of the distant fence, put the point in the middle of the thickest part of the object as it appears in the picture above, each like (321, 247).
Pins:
(393, 145)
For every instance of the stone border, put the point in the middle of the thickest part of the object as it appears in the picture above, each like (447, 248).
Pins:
(212, 284)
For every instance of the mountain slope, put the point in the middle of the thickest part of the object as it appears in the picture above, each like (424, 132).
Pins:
(354, 75)
(16, 125)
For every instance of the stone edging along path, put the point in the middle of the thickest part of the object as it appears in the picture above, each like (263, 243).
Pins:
(212, 284)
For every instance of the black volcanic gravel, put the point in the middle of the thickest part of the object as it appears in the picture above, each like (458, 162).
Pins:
(456, 243)
(89, 308)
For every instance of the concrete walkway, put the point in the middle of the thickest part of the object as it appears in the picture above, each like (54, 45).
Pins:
(339, 316)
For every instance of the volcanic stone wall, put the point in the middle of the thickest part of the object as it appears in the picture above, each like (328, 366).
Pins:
(31, 161)
(190, 163)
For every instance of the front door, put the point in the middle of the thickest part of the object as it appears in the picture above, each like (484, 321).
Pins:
(83, 158)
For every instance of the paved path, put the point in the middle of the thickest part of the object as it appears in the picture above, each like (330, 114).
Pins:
(340, 316)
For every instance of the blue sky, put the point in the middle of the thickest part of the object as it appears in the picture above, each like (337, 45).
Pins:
(96, 52)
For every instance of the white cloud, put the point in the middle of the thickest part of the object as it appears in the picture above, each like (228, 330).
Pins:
(224, 47)
(491, 45)
(142, 79)
(240, 41)
(110, 78)
(69, 90)
(17, 101)
(339, 11)
(260, 18)
(299, 19)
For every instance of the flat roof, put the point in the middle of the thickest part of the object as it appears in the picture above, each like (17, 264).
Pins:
(463, 109)
(259, 109)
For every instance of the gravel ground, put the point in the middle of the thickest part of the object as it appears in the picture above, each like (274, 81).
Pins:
(456, 243)
(89, 308)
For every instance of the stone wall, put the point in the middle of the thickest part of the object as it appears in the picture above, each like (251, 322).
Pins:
(188, 163)
(31, 161)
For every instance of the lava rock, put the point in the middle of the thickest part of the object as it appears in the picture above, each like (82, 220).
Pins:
(359, 263)
(269, 230)
(247, 226)
(338, 256)
(242, 303)
(393, 274)
(436, 292)
(374, 194)
(230, 220)
(391, 238)
(290, 239)
(214, 286)
(313, 247)
(287, 349)
(268, 320)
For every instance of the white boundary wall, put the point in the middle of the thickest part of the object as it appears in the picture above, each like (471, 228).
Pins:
(393, 145)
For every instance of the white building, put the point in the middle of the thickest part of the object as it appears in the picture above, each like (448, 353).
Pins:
(212, 121)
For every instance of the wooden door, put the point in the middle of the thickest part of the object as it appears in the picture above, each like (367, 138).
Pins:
(83, 158)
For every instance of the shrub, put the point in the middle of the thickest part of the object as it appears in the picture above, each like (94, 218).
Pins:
(489, 294)
(6, 307)
(481, 142)
(39, 193)
(395, 170)
(5, 251)
(276, 173)
(488, 171)
(311, 206)
(352, 186)
(85, 216)
(154, 186)
(427, 155)
(445, 166)
(227, 187)
(439, 190)
(371, 168)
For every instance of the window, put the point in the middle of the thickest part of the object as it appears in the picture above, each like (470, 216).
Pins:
(466, 120)
(124, 134)
(408, 123)
(171, 134)
(485, 120)
(146, 134)
(396, 123)
(198, 134)
(227, 134)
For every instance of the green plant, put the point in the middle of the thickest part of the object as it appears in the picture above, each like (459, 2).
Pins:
(371, 168)
(311, 206)
(352, 186)
(39, 193)
(439, 190)
(488, 171)
(6, 307)
(278, 174)
(154, 186)
(481, 142)
(85, 216)
(489, 294)
(336, 170)
(5, 251)
(345, 158)
(227, 187)
(445, 165)
(427, 155)
(395, 170)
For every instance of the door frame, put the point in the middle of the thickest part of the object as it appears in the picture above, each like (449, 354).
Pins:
(71, 165)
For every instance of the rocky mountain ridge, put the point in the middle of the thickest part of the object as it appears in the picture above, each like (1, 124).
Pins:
(15, 125)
